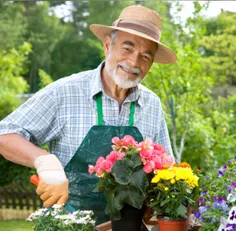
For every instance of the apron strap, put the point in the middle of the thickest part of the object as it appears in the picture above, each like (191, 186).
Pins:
(100, 115)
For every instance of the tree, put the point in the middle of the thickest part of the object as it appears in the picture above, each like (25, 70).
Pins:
(13, 25)
(12, 67)
(219, 47)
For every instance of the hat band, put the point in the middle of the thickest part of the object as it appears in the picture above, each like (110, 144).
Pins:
(140, 26)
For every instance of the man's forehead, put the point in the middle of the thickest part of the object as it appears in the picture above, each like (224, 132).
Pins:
(132, 40)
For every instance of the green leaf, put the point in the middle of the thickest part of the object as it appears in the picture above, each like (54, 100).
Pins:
(181, 211)
(122, 170)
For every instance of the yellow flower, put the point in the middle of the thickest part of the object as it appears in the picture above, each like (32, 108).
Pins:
(156, 179)
(166, 188)
(172, 181)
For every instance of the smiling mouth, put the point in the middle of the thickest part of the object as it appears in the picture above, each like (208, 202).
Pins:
(128, 71)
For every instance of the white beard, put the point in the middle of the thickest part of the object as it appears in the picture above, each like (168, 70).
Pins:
(123, 81)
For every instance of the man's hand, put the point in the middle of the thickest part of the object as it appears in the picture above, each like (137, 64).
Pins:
(52, 194)
(53, 184)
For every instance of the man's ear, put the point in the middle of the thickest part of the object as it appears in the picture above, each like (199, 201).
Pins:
(106, 45)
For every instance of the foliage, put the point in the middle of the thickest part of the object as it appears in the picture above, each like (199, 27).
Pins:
(218, 197)
(18, 225)
(12, 67)
(174, 190)
(45, 79)
(57, 219)
(124, 174)
(219, 48)
(13, 26)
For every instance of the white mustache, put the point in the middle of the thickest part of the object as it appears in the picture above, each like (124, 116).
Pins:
(135, 70)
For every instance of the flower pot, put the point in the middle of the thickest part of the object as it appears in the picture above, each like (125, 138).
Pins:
(131, 219)
(179, 225)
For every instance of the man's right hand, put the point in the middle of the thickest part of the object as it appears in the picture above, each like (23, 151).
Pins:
(52, 193)
(53, 184)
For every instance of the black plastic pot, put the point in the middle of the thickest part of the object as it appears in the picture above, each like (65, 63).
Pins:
(131, 219)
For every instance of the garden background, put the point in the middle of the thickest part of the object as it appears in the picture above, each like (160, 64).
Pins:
(198, 93)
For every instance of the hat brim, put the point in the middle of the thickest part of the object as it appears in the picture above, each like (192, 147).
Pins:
(163, 55)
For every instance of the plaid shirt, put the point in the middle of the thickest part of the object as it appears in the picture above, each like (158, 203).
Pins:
(62, 113)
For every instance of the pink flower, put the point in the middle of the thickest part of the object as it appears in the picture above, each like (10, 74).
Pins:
(129, 140)
(158, 163)
(148, 167)
(100, 160)
(146, 144)
(146, 153)
(91, 169)
(106, 165)
(160, 148)
(115, 139)
(114, 156)
(168, 160)
(99, 171)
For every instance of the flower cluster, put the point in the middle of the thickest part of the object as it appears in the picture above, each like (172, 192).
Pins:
(218, 199)
(153, 156)
(59, 219)
(174, 190)
(124, 174)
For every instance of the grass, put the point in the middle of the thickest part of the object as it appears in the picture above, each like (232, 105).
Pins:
(16, 226)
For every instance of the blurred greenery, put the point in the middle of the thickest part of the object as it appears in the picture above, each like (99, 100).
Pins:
(197, 93)
(16, 226)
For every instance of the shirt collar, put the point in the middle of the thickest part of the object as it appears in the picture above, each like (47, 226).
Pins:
(97, 87)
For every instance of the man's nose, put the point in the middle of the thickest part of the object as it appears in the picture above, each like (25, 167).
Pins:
(134, 60)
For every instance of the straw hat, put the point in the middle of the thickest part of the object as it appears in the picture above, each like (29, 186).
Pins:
(140, 21)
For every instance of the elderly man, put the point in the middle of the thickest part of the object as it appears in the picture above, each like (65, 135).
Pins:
(78, 115)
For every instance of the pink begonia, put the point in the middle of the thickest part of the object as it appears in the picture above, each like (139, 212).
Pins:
(160, 148)
(106, 165)
(146, 153)
(158, 163)
(114, 156)
(125, 143)
(168, 160)
(99, 171)
(153, 156)
(149, 166)
(99, 160)
(146, 144)
(91, 169)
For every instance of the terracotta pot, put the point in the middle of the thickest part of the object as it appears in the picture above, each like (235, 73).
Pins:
(179, 225)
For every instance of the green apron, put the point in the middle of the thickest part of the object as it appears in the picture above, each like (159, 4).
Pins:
(96, 143)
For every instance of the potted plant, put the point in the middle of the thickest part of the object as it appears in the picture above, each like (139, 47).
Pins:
(217, 203)
(172, 193)
(58, 219)
(124, 176)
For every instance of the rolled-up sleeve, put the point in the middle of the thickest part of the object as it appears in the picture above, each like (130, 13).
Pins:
(36, 119)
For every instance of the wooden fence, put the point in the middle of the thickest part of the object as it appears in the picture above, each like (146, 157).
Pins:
(19, 196)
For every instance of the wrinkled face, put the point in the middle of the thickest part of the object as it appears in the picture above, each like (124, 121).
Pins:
(128, 58)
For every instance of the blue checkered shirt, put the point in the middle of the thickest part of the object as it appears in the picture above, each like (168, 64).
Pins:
(62, 113)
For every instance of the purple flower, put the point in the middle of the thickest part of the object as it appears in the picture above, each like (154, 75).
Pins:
(232, 214)
(220, 173)
(230, 189)
(197, 214)
(234, 184)
(201, 200)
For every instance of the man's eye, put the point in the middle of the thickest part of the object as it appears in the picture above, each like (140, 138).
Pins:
(126, 48)
(146, 58)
